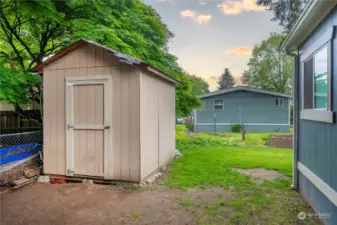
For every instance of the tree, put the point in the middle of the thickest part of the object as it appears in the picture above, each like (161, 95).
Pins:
(226, 80)
(269, 68)
(199, 85)
(33, 30)
(20, 89)
(285, 11)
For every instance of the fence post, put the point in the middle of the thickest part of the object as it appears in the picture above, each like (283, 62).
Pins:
(214, 119)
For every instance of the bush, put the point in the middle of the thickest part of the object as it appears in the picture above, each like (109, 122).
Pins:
(266, 138)
(184, 144)
(236, 128)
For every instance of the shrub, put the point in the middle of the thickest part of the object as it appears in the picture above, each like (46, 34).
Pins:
(184, 144)
(236, 128)
(266, 138)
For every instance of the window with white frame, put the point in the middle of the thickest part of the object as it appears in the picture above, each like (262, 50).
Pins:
(279, 102)
(218, 104)
(316, 92)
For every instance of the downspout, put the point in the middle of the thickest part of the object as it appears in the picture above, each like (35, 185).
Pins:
(294, 185)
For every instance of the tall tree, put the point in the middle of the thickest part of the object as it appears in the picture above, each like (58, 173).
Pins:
(33, 30)
(285, 11)
(269, 68)
(226, 80)
(199, 85)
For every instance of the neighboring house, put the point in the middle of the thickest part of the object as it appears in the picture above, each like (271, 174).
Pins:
(259, 110)
(106, 115)
(313, 44)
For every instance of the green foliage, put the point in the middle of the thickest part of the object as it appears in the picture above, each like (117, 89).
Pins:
(266, 138)
(202, 139)
(199, 85)
(269, 68)
(33, 30)
(18, 88)
(226, 80)
(236, 128)
(285, 11)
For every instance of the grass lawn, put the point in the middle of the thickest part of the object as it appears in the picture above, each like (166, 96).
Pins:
(209, 160)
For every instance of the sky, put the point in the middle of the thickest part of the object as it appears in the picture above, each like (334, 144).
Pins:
(213, 34)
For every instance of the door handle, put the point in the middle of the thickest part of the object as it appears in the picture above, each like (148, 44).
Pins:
(106, 127)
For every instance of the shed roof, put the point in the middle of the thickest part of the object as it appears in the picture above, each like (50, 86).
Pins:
(122, 57)
(313, 14)
(245, 88)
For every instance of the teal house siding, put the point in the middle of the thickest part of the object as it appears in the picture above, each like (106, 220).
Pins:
(257, 111)
(317, 141)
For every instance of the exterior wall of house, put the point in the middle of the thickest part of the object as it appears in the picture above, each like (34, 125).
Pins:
(89, 60)
(318, 140)
(258, 112)
(157, 123)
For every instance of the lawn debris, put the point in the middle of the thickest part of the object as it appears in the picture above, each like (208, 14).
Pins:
(178, 153)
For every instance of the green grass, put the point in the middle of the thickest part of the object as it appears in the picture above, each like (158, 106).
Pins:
(209, 160)
(229, 138)
(213, 165)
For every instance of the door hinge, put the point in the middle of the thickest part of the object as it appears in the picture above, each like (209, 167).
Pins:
(69, 126)
(70, 172)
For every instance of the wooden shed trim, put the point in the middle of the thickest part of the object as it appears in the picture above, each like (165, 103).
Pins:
(122, 57)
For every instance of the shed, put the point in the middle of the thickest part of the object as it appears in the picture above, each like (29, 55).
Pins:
(313, 44)
(106, 115)
(259, 110)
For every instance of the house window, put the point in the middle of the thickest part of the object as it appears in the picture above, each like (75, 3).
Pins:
(316, 96)
(279, 102)
(218, 104)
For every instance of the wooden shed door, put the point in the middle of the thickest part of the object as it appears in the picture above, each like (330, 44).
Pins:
(88, 125)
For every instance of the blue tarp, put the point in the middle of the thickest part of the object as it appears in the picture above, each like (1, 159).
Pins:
(18, 152)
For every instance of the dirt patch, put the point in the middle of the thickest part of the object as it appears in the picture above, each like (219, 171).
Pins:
(260, 174)
(92, 204)
(210, 195)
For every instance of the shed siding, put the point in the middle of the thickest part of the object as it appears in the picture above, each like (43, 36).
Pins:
(157, 123)
(256, 110)
(89, 60)
(318, 201)
(317, 141)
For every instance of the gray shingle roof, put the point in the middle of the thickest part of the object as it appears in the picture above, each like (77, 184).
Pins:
(245, 88)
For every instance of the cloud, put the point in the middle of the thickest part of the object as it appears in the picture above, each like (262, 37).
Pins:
(213, 78)
(239, 51)
(169, 1)
(187, 13)
(199, 18)
(203, 18)
(232, 7)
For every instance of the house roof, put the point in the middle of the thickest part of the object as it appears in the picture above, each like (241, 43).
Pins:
(245, 88)
(122, 57)
(312, 16)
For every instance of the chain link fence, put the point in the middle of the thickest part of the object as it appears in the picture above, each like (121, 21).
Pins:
(14, 147)
(19, 152)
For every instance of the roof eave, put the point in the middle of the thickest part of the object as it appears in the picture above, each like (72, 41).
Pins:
(311, 17)
(123, 58)
(225, 91)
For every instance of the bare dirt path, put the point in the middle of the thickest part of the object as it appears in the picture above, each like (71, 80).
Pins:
(97, 204)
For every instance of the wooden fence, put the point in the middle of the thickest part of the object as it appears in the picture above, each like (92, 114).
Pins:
(12, 122)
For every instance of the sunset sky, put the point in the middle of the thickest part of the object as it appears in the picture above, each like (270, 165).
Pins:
(211, 35)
